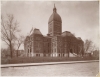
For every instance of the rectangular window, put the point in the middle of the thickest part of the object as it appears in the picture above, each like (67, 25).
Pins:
(59, 55)
(63, 55)
(36, 54)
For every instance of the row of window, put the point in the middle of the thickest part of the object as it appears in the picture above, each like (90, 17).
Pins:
(38, 55)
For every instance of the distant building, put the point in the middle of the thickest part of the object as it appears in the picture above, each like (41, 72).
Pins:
(56, 43)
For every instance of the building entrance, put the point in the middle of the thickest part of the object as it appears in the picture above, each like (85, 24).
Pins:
(71, 51)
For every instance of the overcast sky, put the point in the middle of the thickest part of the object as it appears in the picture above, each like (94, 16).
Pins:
(80, 18)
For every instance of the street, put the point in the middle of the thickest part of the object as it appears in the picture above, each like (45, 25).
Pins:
(78, 69)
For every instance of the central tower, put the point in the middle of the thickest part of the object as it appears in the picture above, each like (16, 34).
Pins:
(54, 23)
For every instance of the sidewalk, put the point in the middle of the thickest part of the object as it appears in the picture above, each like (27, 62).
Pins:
(45, 63)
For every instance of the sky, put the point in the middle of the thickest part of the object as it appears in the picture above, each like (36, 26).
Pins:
(78, 17)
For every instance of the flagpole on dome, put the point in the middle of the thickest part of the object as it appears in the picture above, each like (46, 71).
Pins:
(54, 9)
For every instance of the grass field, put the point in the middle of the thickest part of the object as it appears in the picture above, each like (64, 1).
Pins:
(43, 59)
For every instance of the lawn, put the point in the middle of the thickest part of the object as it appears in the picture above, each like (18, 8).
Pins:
(43, 59)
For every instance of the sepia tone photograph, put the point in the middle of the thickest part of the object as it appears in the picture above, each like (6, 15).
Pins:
(50, 38)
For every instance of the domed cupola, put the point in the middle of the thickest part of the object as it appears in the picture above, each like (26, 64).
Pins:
(55, 24)
(55, 16)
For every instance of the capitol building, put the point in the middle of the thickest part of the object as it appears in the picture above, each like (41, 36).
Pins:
(56, 43)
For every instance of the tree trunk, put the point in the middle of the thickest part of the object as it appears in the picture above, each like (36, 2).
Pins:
(11, 55)
(17, 53)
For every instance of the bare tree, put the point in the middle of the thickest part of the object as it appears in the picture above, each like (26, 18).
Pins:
(19, 42)
(9, 28)
(89, 46)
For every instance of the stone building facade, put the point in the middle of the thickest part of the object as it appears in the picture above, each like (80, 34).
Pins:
(56, 43)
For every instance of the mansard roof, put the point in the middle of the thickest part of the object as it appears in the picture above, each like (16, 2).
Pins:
(67, 33)
(79, 38)
(37, 31)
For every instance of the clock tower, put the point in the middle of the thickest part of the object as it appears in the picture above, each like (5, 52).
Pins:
(55, 24)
